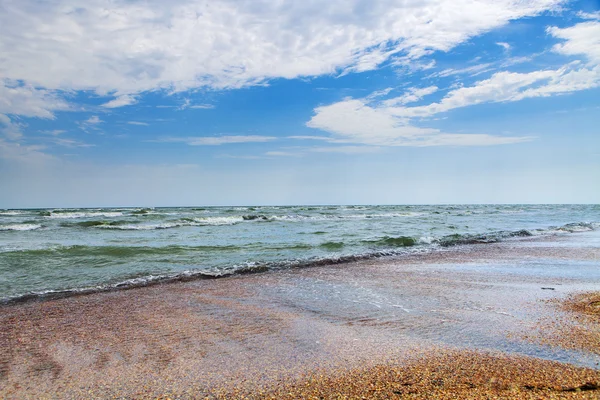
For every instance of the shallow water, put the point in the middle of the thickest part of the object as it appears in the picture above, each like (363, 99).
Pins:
(71, 249)
(465, 298)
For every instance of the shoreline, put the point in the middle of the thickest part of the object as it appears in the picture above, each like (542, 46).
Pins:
(409, 252)
(262, 331)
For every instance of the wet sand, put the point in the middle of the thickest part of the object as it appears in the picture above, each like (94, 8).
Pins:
(576, 326)
(436, 323)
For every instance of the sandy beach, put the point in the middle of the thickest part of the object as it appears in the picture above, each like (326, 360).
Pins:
(466, 322)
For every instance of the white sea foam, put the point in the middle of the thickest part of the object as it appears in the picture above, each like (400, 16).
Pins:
(577, 227)
(218, 220)
(10, 212)
(336, 217)
(208, 221)
(19, 227)
(71, 215)
(426, 239)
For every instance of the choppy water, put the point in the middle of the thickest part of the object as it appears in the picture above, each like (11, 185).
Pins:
(44, 251)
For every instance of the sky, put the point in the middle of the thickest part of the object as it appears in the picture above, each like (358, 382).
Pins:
(249, 102)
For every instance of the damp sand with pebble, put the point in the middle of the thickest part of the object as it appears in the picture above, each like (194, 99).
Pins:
(435, 323)
(576, 326)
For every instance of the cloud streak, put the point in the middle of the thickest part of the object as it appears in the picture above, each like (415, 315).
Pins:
(367, 122)
(216, 140)
(129, 47)
(121, 101)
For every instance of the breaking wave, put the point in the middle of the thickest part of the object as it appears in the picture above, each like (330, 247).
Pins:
(10, 213)
(343, 248)
(204, 221)
(20, 227)
(189, 275)
(80, 214)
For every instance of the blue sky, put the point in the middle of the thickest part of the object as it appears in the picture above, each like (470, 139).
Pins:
(128, 103)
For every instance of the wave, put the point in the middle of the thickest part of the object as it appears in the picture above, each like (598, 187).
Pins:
(137, 225)
(325, 217)
(116, 251)
(332, 245)
(384, 246)
(142, 211)
(492, 237)
(579, 227)
(20, 227)
(400, 241)
(189, 275)
(93, 223)
(10, 213)
(205, 221)
(480, 238)
(80, 214)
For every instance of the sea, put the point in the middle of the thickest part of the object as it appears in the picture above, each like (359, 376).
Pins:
(63, 251)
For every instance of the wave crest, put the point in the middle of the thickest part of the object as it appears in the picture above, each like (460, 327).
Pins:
(20, 227)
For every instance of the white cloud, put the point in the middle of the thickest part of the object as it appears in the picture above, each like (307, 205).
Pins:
(93, 120)
(92, 123)
(54, 132)
(473, 70)
(380, 93)
(304, 137)
(28, 101)
(580, 39)
(121, 101)
(10, 129)
(137, 123)
(21, 100)
(509, 86)
(280, 154)
(187, 103)
(590, 15)
(411, 95)
(133, 46)
(203, 106)
(504, 45)
(389, 123)
(355, 121)
(347, 149)
(70, 143)
(32, 155)
(217, 140)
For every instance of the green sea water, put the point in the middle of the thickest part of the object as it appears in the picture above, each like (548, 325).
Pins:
(48, 250)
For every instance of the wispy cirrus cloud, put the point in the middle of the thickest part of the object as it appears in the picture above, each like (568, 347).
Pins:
(215, 140)
(25, 154)
(69, 142)
(54, 132)
(391, 123)
(472, 70)
(504, 45)
(278, 153)
(202, 106)
(346, 149)
(90, 124)
(358, 121)
(411, 95)
(21, 100)
(121, 101)
(18, 98)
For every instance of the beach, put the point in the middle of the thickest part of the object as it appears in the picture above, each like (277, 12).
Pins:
(468, 321)
(299, 199)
